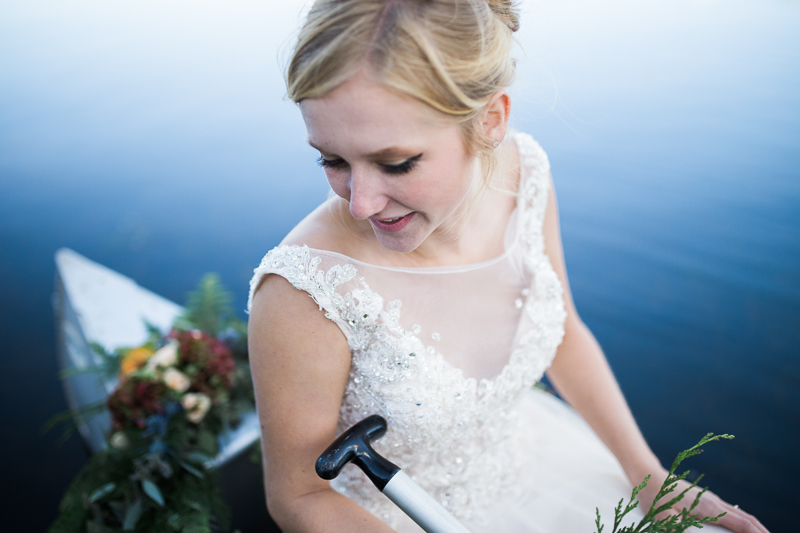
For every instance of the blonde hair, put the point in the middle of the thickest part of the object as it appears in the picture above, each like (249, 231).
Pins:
(452, 55)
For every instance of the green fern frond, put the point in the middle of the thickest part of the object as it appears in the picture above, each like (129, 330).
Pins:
(209, 307)
(673, 523)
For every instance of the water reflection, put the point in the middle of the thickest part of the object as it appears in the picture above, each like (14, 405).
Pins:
(154, 137)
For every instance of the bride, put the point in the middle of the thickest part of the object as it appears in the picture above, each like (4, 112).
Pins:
(431, 289)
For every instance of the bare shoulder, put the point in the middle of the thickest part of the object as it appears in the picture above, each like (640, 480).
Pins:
(288, 329)
(330, 227)
(287, 322)
(291, 339)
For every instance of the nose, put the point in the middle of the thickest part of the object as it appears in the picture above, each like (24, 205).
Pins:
(367, 197)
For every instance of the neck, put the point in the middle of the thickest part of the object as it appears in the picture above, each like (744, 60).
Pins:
(458, 239)
(471, 234)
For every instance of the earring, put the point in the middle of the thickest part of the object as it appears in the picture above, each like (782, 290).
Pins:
(496, 144)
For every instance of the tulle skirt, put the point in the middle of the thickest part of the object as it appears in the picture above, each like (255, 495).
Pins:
(570, 474)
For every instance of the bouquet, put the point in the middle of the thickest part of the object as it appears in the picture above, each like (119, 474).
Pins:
(176, 394)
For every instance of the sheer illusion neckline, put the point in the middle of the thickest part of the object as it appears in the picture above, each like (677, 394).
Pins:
(359, 308)
(514, 224)
(445, 269)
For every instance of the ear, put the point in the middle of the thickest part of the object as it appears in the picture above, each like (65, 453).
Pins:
(494, 117)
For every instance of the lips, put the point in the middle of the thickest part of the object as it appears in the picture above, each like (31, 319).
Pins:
(392, 224)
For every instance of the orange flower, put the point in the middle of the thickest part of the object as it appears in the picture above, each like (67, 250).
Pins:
(134, 360)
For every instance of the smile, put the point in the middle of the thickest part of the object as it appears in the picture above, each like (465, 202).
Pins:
(392, 224)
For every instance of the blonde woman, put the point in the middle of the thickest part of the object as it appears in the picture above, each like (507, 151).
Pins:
(431, 289)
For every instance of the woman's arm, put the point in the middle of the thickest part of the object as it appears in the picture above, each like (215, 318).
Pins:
(300, 362)
(582, 376)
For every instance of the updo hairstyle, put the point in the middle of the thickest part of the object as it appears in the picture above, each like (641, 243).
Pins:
(452, 55)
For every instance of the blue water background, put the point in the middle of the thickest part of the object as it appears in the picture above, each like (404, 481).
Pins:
(154, 138)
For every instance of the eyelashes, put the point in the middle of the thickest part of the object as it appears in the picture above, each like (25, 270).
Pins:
(401, 168)
(330, 163)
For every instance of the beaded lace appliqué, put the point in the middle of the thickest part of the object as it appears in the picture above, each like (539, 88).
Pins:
(451, 434)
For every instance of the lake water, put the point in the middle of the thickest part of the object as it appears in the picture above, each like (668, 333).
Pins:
(154, 138)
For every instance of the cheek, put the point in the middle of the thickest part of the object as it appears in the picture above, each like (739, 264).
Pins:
(436, 193)
(339, 182)
(453, 178)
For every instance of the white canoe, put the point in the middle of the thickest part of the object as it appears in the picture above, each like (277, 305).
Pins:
(96, 304)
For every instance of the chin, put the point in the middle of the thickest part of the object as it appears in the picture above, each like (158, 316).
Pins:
(401, 245)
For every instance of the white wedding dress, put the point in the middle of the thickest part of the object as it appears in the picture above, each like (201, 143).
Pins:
(449, 356)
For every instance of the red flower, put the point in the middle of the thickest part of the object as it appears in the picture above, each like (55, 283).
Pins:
(209, 355)
(134, 400)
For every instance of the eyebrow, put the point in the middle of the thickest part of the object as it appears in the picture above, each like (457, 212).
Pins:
(392, 151)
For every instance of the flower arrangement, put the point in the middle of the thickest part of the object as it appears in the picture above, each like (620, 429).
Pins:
(176, 394)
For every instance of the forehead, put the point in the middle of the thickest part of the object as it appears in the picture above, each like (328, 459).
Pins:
(362, 114)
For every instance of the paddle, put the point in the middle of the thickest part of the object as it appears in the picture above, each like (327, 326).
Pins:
(355, 445)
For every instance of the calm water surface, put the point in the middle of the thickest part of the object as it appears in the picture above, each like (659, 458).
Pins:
(154, 139)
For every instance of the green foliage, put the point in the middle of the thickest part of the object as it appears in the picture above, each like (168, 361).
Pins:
(102, 491)
(209, 307)
(254, 454)
(152, 490)
(95, 504)
(71, 418)
(108, 367)
(673, 523)
(152, 476)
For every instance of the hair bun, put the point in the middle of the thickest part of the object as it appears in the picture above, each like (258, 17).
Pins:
(507, 11)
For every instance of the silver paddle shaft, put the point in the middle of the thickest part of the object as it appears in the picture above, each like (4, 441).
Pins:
(420, 506)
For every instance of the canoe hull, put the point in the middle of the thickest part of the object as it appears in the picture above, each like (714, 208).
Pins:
(94, 304)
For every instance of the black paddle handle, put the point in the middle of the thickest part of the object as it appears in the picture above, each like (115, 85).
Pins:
(355, 445)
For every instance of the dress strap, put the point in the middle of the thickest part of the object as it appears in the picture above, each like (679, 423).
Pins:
(535, 167)
(297, 265)
(534, 188)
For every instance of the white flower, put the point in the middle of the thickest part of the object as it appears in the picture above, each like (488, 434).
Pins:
(164, 357)
(197, 405)
(176, 380)
(119, 440)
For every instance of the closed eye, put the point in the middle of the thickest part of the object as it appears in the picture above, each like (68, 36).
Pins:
(331, 163)
(402, 168)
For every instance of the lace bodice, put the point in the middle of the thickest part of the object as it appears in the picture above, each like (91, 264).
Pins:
(412, 331)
